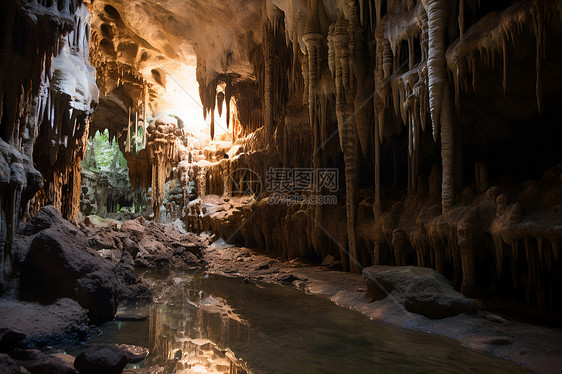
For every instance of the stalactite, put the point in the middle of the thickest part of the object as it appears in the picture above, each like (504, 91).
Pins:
(136, 131)
(212, 125)
(268, 83)
(437, 12)
(539, 35)
(313, 38)
(461, 19)
(128, 143)
(228, 96)
(447, 151)
(363, 86)
(220, 101)
(493, 35)
(345, 96)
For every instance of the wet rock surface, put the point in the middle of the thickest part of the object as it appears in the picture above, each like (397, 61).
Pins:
(63, 322)
(94, 264)
(9, 339)
(9, 366)
(108, 358)
(37, 362)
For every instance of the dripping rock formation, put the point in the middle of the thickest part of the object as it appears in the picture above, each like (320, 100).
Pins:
(415, 142)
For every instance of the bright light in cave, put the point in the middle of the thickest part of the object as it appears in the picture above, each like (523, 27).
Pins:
(181, 98)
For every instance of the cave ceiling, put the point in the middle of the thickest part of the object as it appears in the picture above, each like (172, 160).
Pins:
(156, 42)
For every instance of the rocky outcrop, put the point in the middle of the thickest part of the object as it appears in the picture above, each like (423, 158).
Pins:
(61, 263)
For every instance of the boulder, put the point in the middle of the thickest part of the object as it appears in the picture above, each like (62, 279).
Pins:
(96, 221)
(108, 358)
(9, 339)
(419, 290)
(47, 217)
(37, 362)
(61, 323)
(130, 246)
(101, 242)
(134, 228)
(60, 264)
(9, 366)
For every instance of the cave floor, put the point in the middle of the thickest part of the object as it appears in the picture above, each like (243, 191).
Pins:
(214, 310)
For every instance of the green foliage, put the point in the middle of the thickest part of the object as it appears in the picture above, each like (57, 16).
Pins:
(105, 151)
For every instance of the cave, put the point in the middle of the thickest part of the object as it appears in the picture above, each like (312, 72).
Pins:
(282, 186)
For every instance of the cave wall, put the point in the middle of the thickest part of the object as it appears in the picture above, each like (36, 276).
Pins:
(47, 94)
(441, 117)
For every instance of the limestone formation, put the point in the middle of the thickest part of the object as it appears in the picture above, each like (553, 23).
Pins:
(47, 94)
(441, 118)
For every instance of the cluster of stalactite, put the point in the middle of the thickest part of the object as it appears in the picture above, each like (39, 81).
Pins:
(150, 168)
(223, 89)
(47, 93)
(388, 89)
(125, 94)
(260, 99)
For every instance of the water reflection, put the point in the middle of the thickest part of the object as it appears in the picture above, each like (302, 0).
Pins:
(189, 331)
(211, 324)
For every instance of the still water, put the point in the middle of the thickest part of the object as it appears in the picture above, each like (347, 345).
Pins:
(211, 324)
